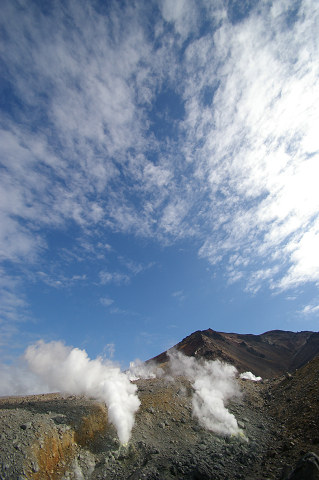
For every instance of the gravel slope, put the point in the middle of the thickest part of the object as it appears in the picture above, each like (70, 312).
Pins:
(55, 437)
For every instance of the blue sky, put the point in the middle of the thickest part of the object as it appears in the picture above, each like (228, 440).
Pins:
(159, 172)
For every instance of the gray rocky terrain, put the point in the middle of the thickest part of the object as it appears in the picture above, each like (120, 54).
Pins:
(55, 437)
(69, 437)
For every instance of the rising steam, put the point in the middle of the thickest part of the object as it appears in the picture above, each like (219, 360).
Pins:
(70, 370)
(139, 369)
(250, 376)
(214, 385)
(53, 366)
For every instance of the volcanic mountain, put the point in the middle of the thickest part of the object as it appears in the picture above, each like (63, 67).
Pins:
(267, 355)
(70, 437)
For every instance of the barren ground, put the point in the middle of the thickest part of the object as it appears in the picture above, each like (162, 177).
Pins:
(55, 437)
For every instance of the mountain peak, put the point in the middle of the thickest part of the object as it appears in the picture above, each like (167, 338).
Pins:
(269, 354)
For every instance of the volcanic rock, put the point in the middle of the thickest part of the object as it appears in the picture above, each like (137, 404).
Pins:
(56, 437)
(307, 468)
(267, 355)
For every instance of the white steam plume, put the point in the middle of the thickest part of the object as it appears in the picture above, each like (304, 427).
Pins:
(215, 384)
(18, 380)
(139, 369)
(70, 370)
(250, 376)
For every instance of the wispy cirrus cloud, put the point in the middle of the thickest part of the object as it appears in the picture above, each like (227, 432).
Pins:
(106, 301)
(166, 121)
(13, 305)
(259, 149)
(310, 310)
(133, 268)
(179, 295)
(60, 281)
(114, 277)
(183, 14)
(249, 131)
(88, 99)
(14, 308)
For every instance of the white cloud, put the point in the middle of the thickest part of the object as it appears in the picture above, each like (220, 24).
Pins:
(156, 175)
(172, 221)
(257, 277)
(183, 13)
(260, 151)
(179, 295)
(60, 281)
(89, 100)
(310, 309)
(14, 311)
(106, 301)
(133, 266)
(13, 304)
(16, 242)
(79, 151)
(114, 277)
(119, 278)
(304, 258)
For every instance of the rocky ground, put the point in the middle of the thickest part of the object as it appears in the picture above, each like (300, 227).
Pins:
(55, 437)
(294, 401)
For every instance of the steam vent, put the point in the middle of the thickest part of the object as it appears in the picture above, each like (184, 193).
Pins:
(159, 172)
(197, 417)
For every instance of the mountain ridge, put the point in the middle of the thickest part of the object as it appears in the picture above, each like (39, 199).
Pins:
(269, 354)
(71, 437)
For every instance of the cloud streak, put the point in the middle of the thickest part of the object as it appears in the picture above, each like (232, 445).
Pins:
(248, 134)
(310, 310)
(166, 122)
(259, 146)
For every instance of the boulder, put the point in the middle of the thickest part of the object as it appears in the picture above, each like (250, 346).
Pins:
(307, 468)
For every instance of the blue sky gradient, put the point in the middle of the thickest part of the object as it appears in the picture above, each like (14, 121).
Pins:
(159, 172)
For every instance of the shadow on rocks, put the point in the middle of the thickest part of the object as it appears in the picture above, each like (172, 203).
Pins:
(307, 468)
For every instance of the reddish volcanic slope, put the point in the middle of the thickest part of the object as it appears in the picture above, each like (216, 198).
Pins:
(269, 354)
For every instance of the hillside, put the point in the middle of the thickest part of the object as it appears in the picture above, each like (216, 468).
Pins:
(68, 437)
(267, 355)
(51, 437)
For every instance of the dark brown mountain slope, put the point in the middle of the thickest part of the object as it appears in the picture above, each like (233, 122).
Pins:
(293, 401)
(305, 354)
(269, 354)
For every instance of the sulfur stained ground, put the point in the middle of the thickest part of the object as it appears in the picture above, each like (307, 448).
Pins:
(69, 438)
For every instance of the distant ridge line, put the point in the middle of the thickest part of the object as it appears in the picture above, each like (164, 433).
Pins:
(269, 354)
